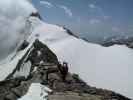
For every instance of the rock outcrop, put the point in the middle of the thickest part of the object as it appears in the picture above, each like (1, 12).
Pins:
(36, 14)
(47, 70)
(128, 41)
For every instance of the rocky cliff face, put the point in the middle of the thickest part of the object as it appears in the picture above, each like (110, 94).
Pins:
(40, 65)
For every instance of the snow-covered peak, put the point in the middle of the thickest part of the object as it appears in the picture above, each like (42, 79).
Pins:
(13, 24)
(100, 66)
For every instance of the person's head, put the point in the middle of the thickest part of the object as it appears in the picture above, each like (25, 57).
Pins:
(65, 64)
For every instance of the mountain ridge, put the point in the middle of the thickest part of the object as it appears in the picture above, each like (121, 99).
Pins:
(66, 47)
(15, 87)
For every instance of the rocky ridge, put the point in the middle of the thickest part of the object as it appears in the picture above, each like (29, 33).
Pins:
(128, 41)
(47, 70)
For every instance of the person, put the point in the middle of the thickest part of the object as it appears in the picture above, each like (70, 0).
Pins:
(63, 70)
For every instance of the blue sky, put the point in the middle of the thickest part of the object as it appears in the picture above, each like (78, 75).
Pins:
(92, 17)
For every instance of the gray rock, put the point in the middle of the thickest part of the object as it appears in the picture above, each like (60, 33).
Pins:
(73, 96)
(10, 96)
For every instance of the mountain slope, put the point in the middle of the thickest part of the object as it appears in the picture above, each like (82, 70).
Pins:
(45, 76)
(99, 66)
(109, 68)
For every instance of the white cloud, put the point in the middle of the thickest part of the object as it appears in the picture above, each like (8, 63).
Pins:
(92, 6)
(98, 10)
(47, 4)
(94, 21)
(12, 22)
(67, 10)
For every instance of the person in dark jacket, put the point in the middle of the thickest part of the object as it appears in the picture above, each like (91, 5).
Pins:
(63, 70)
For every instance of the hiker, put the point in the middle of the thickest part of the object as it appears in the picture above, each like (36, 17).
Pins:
(63, 70)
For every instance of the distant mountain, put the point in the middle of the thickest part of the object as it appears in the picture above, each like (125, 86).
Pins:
(125, 40)
(108, 41)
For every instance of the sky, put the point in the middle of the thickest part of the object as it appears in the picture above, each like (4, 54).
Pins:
(91, 17)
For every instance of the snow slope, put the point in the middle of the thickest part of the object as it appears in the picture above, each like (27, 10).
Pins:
(36, 92)
(9, 64)
(103, 67)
